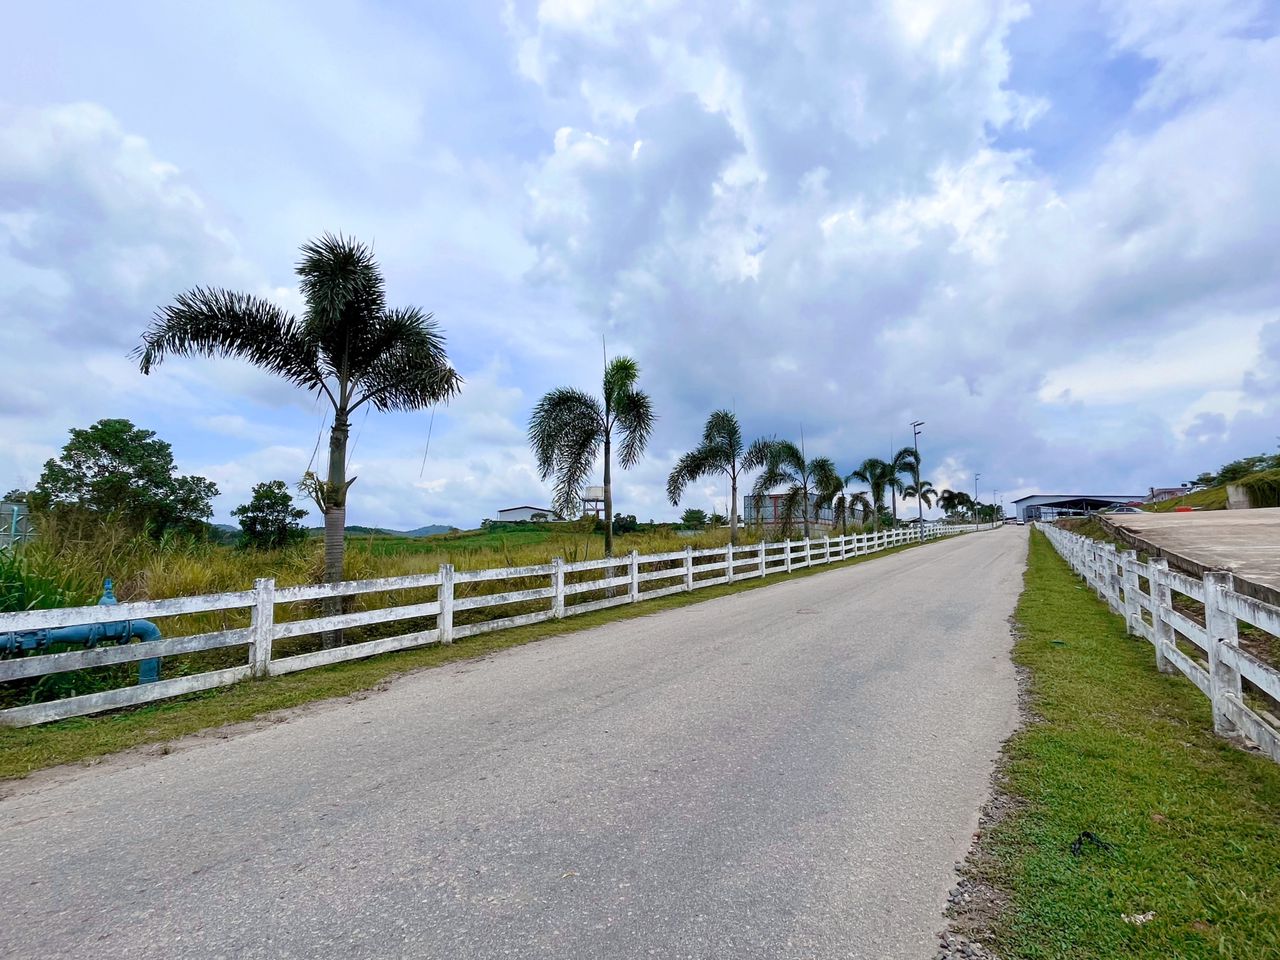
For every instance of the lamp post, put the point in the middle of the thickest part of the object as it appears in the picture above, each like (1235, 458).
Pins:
(976, 478)
(995, 498)
(915, 443)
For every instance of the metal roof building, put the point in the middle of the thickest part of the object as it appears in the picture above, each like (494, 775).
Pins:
(1047, 506)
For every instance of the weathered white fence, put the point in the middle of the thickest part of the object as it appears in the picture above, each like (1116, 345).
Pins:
(1117, 575)
(568, 590)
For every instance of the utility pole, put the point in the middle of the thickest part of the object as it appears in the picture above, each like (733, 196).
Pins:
(915, 442)
(976, 478)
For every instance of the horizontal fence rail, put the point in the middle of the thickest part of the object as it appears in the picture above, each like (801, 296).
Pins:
(279, 613)
(1117, 577)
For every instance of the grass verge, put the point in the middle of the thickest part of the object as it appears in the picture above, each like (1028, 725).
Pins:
(1128, 754)
(27, 749)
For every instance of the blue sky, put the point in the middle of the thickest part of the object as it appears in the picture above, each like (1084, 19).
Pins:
(1046, 229)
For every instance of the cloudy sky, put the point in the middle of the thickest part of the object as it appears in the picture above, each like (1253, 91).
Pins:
(1051, 230)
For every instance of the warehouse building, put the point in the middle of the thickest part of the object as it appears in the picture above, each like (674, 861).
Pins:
(1049, 506)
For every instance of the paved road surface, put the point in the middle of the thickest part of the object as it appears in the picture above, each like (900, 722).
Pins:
(786, 773)
(1242, 541)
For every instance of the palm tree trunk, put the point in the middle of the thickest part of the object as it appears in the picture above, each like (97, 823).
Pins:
(893, 492)
(608, 500)
(804, 511)
(335, 520)
(733, 510)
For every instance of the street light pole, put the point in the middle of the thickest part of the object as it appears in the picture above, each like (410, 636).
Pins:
(976, 478)
(915, 442)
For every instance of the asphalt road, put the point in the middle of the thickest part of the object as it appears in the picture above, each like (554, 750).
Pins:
(789, 772)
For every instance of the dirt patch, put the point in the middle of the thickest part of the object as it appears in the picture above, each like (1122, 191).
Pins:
(975, 903)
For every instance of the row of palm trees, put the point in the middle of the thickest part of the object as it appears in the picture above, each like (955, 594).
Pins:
(569, 429)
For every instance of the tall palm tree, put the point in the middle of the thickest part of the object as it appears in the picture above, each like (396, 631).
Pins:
(348, 346)
(879, 476)
(568, 428)
(905, 461)
(842, 501)
(785, 465)
(720, 452)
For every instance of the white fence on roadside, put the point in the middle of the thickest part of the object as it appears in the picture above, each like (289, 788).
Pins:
(565, 589)
(1216, 663)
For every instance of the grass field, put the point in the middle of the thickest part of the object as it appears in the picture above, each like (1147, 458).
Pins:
(1212, 498)
(1191, 822)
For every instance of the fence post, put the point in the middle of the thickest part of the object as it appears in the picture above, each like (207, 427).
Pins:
(808, 552)
(764, 548)
(1132, 609)
(826, 548)
(445, 620)
(1161, 600)
(1220, 625)
(262, 626)
(1113, 581)
(688, 568)
(633, 570)
(728, 562)
(787, 548)
(557, 588)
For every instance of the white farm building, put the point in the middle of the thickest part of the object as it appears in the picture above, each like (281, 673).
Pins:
(533, 514)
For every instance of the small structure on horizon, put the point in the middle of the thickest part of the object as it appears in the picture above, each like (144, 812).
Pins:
(1161, 494)
(528, 514)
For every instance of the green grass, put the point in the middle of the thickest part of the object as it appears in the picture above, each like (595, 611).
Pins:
(466, 540)
(1129, 754)
(25, 750)
(1211, 498)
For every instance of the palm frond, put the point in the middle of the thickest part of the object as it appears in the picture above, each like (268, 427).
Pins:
(409, 367)
(210, 322)
(343, 287)
(688, 469)
(757, 454)
(566, 431)
(722, 429)
(634, 416)
(620, 378)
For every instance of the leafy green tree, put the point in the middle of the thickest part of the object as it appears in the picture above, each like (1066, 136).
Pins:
(116, 468)
(693, 518)
(785, 466)
(270, 520)
(15, 496)
(348, 346)
(568, 427)
(719, 520)
(720, 452)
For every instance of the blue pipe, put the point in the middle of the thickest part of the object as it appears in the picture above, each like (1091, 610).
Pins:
(88, 635)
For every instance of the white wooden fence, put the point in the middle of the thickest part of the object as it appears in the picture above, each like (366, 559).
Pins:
(1117, 575)
(568, 590)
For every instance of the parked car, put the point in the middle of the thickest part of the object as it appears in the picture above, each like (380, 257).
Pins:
(1120, 509)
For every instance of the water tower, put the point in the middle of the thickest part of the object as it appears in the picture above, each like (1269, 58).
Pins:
(593, 502)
